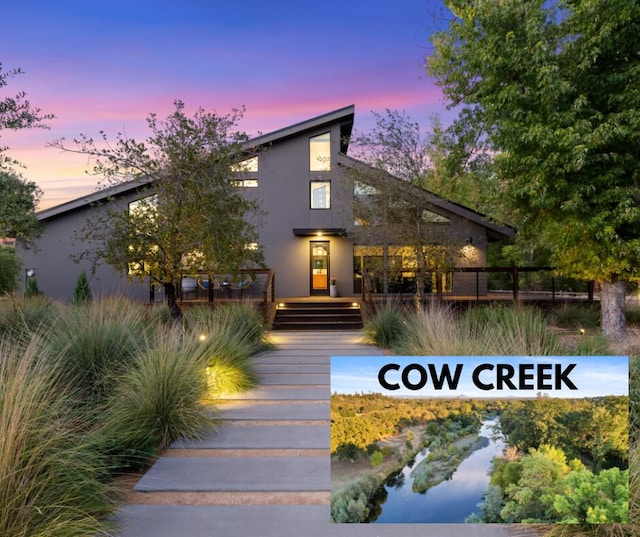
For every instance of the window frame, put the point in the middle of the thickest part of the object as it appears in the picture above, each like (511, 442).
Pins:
(325, 182)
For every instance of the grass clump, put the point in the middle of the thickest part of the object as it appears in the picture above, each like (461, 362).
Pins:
(387, 326)
(50, 477)
(21, 319)
(575, 316)
(159, 399)
(228, 336)
(484, 331)
(96, 342)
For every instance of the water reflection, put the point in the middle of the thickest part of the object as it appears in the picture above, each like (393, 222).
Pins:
(448, 502)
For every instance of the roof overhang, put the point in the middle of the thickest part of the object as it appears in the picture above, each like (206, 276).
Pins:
(319, 232)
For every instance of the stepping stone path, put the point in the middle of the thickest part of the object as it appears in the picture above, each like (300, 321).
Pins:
(264, 472)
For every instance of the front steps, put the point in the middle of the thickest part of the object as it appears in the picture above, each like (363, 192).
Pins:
(318, 315)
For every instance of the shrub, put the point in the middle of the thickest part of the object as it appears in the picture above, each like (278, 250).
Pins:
(49, 476)
(82, 292)
(159, 399)
(32, 288)
(9, 267)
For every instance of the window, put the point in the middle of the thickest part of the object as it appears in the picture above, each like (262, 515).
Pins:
(320, 195)
(249, 165)
(245, 183)
(433, 218)
(320, 153)
(145, 207)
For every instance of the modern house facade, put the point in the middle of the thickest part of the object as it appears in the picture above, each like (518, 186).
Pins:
(308, 190)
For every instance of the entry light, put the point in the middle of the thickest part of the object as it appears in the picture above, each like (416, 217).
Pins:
(354, 304)
(281, 305)
(319, 233)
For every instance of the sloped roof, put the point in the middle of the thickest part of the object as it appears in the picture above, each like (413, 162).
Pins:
(94, 197)
(494, 230)
(344, 116)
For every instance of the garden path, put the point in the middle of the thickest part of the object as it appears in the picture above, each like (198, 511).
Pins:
(265, 471)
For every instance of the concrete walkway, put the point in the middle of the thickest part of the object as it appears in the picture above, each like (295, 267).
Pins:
(265, 471)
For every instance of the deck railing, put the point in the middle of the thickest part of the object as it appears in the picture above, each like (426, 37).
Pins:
(499, 283)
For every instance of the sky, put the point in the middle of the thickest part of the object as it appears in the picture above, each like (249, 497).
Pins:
(105, 66)
(592, 375)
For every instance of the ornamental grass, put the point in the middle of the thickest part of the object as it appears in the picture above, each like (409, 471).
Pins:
(51, 480)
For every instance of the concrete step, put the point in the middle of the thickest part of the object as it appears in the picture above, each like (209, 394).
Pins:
(317, 316)
(275, 410)
(281, 521)
(261, 437)
(193, 474)
(275, 379)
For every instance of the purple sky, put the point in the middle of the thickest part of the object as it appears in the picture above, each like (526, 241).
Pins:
(107, 65)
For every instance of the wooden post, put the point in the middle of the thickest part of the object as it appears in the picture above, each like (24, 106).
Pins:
(516, 284)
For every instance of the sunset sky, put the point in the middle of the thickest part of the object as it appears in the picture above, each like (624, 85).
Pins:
(107, 65)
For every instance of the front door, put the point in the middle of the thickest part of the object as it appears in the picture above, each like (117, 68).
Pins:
(319, 268)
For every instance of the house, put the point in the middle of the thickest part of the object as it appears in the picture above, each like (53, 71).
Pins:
(308, 189)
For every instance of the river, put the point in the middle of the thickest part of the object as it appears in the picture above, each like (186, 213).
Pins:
(450, 501)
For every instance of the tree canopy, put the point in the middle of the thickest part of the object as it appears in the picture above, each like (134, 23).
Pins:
(16, 112)
(18, 202)
(391, 205)
(552, 89)
(187, 217)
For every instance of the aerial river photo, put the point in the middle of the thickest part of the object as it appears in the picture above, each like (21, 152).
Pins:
(450, 501)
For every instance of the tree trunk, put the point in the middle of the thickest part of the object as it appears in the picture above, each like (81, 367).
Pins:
(174, 309)
(612, 306)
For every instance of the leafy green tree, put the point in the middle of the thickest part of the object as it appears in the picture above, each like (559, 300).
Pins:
(18, 201)
(528, 499)
(551, 88)
(589, 498)
(388, 211)
(376, 458)
(9, 267)
(188, 217)
(17, 113)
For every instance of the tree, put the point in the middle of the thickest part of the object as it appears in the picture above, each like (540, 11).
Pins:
(589, 498)
(9, 267)
(388, 211)
(188, 217)
(16, 112)
(18, 201)
(82, 292)
(553, 88)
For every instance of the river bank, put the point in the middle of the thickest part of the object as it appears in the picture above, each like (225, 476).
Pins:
(442, 464)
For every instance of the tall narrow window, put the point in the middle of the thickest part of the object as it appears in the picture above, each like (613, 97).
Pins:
(320, 153)
(320, 195)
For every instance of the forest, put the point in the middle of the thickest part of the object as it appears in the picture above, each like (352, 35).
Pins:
(566, 460)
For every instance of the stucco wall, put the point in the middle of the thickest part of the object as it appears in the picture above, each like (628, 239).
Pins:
(57, 273)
